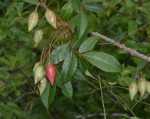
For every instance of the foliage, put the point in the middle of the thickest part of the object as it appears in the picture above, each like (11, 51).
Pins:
(82, 61)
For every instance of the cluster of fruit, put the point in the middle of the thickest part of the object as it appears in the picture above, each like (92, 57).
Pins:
(142, 85)
(33, 21)
(39, 73)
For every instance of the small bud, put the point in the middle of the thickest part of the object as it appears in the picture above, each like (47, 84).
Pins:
(133, 89)
(142, 86)
(50, 17)
(148, 87)
(38, 72)
(42, 85)
(33, 20)
(38, 36)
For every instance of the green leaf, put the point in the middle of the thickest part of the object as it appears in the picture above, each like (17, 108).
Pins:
(76, 5)
(69, 67)
(103, 61)
(92, 1)
(94, 7)
(59, 53)
(67, 89)
(3, 34)
(48, 94)
(34, 2)
(88, 44)
(140, 65)
(132, 28)
(79, 75)
(82, 24)
(125, 81)
(76, 42)
(11, 8)
(73, 23)
(83, 64)
(66, 11)
(145, 8)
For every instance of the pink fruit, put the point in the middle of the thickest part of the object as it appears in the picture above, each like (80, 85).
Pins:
(50, 73)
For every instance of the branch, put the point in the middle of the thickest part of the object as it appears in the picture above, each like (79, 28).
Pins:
(122, 46)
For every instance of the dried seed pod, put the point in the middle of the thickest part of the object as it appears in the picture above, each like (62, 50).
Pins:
(38, 72)
(33, 20)
(50, 73)
(50, 17)
(38, 36)
(148, 87)
(133, 89)
(42, 85)
(142, 86)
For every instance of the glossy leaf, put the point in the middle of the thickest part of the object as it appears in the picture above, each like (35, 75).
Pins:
(48, 95)
(82, 24)
(69, 67)
(103, 61)
(88, 44)
(59, 53)
(94, 7)
(66, 11)
(67, 89)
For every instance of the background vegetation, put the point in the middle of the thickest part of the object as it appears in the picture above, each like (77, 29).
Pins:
(90, 90)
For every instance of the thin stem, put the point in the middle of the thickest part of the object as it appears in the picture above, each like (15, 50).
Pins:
(102, 98)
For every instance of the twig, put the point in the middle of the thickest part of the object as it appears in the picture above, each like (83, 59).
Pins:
(124, 14)
(122, 46)
(99, 114)
(100, 86)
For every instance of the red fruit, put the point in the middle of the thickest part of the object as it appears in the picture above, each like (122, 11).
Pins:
(50, 73)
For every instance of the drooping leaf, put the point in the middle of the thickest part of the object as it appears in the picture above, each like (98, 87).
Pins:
(48, 94)
(73, 23)
(66, 11)
(67, 89)
(69, 67)
(59, 53)
(82, 24)
(103, 61)
(88, 44)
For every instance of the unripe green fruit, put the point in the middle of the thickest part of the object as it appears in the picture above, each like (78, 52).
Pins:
(133, 89)
(38, 36)
(33, 20)
(142, 86)
(50, 17)
(38, 72)
(148, 87)
(42, 85)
